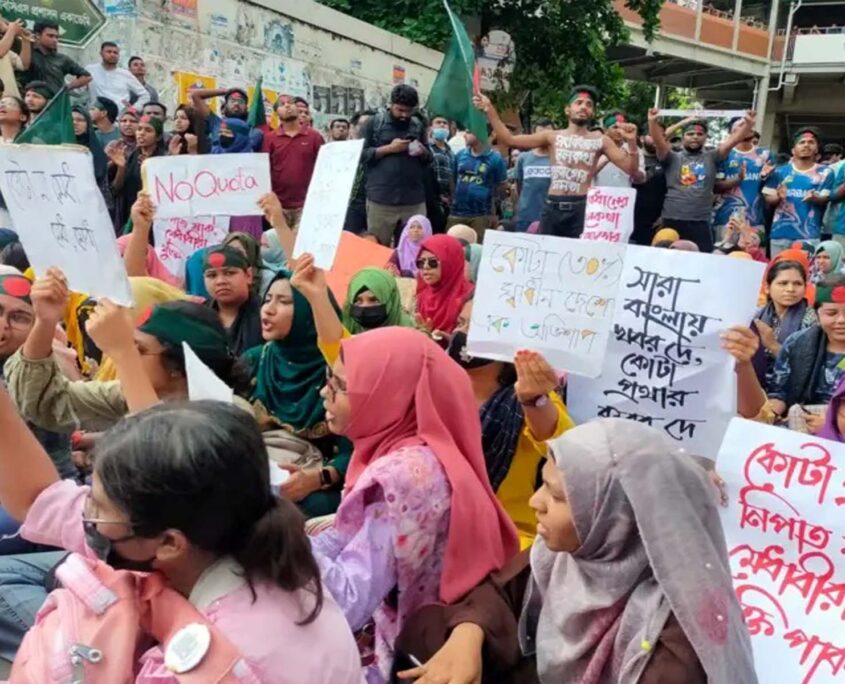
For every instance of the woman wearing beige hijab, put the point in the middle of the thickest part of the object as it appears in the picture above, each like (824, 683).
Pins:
(628, 580)
(463, 232)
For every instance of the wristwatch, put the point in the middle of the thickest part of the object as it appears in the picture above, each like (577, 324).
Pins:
(536, 402)
(325, 478)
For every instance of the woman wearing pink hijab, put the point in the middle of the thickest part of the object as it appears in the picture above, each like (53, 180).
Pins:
(418, 521)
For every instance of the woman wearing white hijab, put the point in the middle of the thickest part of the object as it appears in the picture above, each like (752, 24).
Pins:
(628, 582)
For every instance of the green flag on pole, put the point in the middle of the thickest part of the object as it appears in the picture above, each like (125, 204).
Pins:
(53, 126)
(257, 113)
(451, 94)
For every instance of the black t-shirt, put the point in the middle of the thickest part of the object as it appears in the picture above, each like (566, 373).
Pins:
(649, 204)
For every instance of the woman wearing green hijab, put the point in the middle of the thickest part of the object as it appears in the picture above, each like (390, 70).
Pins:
(373, 301)
(827, 260)
(288, 372)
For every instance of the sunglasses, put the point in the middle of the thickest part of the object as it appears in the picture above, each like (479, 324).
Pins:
(428, 262)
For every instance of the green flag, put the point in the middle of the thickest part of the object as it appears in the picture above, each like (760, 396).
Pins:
(257, 113)
(53, 126)
(451, 94)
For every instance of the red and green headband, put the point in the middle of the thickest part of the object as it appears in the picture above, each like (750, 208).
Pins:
(830, 295)
(16, 286)
(172, 325)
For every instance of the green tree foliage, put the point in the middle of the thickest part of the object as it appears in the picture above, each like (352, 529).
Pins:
(558, 42)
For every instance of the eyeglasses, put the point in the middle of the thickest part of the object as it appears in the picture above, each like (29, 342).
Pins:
(333, 384)
(90, 521)
(17, 319)
(428, 262)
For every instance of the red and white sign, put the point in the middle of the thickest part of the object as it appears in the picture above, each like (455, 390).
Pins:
(784, 529)
(610, 214)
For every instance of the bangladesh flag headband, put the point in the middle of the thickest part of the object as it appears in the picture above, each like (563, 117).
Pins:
(221, 257)
(16, 286)
(174, 326)
(830, 295)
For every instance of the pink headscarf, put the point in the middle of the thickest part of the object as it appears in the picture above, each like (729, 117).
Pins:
(407, 250)
(439, 305)
(412, 393)
(155, 269)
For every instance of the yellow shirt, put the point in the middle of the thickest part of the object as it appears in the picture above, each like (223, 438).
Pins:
(331, 350)
(519, 484)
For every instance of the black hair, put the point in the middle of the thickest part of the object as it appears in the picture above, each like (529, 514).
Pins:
(155, 104)
(21, 103)
(108, 106)
(786, 265)
(356, 117)
(40, 26)
(228, 367)
(543, 121)
(403, 94)
(13, 254)
(108, 43)
(2, 86)
(592, 90)
(135, 58)
(232, 91)
(201, 467)
(301, 100)
(756, 134)
(832, 148)
(340, 120)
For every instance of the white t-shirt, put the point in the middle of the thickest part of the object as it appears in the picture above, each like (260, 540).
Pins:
(611, 176)
(117, 85)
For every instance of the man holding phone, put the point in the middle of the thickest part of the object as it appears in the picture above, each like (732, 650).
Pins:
(396, 157)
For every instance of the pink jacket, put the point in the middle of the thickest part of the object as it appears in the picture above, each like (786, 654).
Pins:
(265, 631)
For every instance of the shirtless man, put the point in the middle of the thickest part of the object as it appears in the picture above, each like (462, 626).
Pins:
(574, 156)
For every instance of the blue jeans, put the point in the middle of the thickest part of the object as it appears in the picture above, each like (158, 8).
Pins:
(22, 592)
(14, 544)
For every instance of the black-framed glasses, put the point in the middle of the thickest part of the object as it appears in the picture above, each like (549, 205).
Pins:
(428, 262)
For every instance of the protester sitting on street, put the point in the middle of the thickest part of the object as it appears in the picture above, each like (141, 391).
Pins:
(229, 280)
(785, 313)
(288, 372)
(641, 592)
(417, 495)
(183, 490)
(808, 366)
(827, 260)
(149, 360)
(404, 258)
(442, 286)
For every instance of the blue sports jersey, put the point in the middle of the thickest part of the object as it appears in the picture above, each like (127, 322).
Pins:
(838, 209)
(794, 218)
(745, 197)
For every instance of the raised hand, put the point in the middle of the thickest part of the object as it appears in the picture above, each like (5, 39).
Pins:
(308, 279)
(111, 328)
(534, 376)
(49, 295)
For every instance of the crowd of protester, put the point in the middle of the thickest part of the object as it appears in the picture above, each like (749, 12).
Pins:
(442, 514)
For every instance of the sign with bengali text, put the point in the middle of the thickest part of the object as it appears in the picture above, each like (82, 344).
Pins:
(610, 214)
(78, 20)
(176, 239)
(664, 365)
(61, 217)
(785, 531)
(549, 294)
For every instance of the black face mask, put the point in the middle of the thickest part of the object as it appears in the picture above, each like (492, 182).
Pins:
(226, 141)
(103, 547)
(458, 352)
(369, 316)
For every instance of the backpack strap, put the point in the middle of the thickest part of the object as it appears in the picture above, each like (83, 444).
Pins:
(185, 634)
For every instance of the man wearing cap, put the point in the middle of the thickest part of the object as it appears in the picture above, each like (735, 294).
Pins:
(691, 176)
(48, 64)
(104, 114)
(235, 106)
(739, 180)
(799, 190)
(113, 82)
(574, 155)
(609, 175)
(36, 95)
(293, 149)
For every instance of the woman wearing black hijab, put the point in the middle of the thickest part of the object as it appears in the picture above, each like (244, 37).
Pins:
(83, 129)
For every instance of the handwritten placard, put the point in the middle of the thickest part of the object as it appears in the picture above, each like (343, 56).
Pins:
(327, 200)
(664, 365)
(178, 238)
(207, 184)
(784, 527)
(610, 214)
(703, 113)
(553, 295)
(61, 217)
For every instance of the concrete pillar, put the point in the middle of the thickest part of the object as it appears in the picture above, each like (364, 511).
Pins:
(737, 24)
(761, 100)
(699, 9)
(659, 95)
